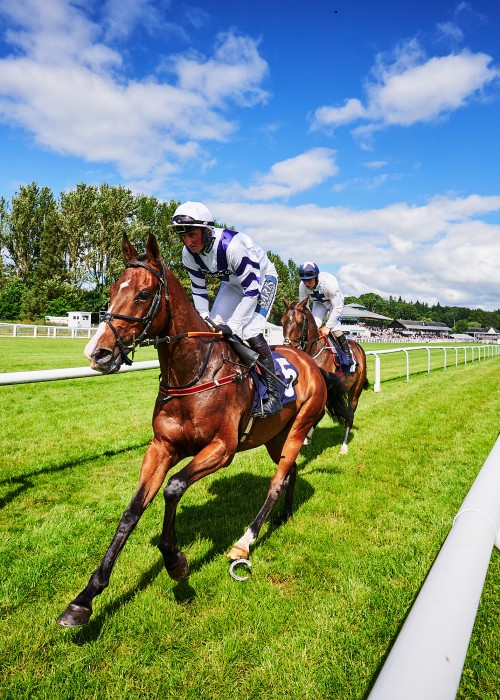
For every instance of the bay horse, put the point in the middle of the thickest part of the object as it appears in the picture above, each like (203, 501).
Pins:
(301, 331)
(202, 409)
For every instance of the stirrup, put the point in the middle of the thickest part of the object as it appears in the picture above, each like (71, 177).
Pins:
(262, 408)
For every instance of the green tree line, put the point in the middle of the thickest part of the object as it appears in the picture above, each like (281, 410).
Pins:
(62, 254)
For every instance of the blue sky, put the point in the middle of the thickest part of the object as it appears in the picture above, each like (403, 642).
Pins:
(361, 135)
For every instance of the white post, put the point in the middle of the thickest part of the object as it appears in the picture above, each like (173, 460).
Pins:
(376, 385)
(428, 656)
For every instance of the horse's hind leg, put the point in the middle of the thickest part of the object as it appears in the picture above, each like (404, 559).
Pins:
(285, 455)
(348, 425)
(155, 465)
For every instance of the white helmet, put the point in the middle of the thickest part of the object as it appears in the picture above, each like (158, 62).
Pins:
(192, 214)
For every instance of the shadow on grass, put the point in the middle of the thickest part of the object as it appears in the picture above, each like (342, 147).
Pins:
(25, 481)
(221, 520)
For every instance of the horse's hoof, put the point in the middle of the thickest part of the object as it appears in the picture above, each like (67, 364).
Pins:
(180, 569)
(343, 450)
(74, 616)
(238, 552)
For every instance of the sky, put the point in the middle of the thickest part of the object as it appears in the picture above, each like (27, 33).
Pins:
(363, 136)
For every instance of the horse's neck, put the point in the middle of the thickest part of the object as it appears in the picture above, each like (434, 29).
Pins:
(183, 317)
(181, 359)
(314, 341)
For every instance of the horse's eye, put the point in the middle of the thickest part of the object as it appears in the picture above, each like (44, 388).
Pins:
(143, 295)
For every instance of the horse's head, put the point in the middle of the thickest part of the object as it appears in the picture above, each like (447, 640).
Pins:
(295, 322)
(133, 313)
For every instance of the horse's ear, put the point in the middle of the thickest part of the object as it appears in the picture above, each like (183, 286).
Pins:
(287, 303)
(152, 248)
(302, 304)
(128, 250)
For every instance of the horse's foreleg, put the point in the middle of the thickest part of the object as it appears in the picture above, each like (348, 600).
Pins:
(208, 460)
(155, 465)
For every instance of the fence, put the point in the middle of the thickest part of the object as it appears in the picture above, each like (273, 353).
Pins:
(23, 330)
(427, 658)
(479, 350)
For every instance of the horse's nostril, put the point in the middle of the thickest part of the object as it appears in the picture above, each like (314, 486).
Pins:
(101, 356)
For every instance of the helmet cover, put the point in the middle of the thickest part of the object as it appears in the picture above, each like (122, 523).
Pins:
(308, 271)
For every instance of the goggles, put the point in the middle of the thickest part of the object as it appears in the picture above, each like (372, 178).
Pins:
(182, 223)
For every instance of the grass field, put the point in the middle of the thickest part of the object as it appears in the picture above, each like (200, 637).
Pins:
(328, 592)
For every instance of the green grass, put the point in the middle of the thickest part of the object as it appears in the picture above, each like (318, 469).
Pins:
(328, 592)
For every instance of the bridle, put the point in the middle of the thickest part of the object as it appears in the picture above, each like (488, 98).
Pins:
(301, 342)
(147, 319)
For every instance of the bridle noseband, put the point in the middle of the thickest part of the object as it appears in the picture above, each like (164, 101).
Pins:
(147, 319)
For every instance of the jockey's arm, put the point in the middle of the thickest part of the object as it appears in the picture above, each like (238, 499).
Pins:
(198, 288)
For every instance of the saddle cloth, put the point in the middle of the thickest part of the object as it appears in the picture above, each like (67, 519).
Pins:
(285, 371)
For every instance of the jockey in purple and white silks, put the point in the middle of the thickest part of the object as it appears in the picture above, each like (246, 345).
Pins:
(248, 283)
(327, 300)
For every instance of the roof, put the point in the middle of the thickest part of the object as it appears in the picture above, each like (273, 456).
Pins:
(359, 311)
(483, 331)
(422, 325)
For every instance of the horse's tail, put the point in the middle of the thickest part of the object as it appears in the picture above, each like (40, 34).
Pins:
(337, 398)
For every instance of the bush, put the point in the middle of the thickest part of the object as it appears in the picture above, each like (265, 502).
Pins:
(11, 299)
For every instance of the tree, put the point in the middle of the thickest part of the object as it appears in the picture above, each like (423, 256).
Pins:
(114, 214)
(78, 218)
(3, 223)
(24, 226)
(288, 286)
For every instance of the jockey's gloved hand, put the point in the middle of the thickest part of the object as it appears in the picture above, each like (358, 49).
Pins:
(224, 329)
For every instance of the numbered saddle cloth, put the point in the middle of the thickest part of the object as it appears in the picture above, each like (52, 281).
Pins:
(286, 373)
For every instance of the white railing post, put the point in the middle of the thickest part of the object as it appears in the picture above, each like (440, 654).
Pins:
(427, 658)
(376, 386)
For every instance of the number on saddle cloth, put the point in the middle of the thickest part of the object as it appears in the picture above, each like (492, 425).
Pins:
(286, 373)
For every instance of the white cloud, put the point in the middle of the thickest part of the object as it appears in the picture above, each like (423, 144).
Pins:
(409, 88)
(440, 251)
(373, 164)
(286, 178)
(63, 85)
(450, 30)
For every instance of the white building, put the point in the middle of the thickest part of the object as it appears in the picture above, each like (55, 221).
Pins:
(79, 319)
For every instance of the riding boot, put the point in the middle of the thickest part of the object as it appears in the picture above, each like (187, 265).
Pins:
(344, 345)
(273, 403)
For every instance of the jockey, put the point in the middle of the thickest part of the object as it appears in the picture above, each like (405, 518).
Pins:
(247, 290)
(324, 290)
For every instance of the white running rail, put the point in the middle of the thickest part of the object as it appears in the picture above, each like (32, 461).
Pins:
(479, 350)
(50, 375)
(427, 658)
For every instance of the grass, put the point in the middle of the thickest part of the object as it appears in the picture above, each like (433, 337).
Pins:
(328, 592)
